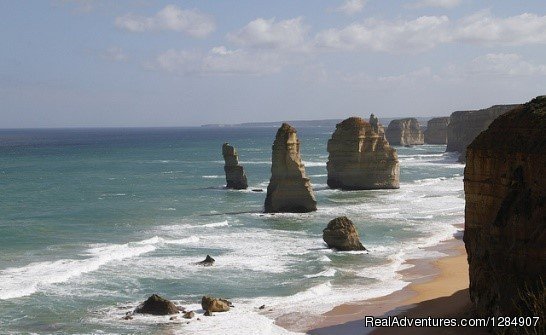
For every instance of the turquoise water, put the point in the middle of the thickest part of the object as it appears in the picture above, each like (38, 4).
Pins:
(95, 220)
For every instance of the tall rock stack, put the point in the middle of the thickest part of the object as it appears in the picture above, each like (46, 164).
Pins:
(405, 132)
(289, 189)
(360, 158)
(505, 215)
(436, 132)
(235, 174)
(464, 126)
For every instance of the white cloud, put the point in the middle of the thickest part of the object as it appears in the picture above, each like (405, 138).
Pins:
(114, 54)
(409, 79)
(221, 60)
(500, 64)
(426, 32)
(416, 35)
(268, 33)
(351, 7)
(189, 21)
(485, 29)
(435, 3)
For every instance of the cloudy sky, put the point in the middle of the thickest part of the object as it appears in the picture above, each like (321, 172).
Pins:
(184, 63)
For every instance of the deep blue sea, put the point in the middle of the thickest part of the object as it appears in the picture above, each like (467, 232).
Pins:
(92, 221)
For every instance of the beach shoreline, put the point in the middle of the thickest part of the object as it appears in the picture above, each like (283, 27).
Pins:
(437, 287)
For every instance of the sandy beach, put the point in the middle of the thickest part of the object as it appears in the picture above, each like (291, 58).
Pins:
(438, 288)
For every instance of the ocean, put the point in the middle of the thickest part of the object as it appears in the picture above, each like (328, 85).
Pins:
(93, 221)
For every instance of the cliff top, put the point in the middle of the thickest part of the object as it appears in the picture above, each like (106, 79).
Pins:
(527, 136)
(494, 108)
(352, 122)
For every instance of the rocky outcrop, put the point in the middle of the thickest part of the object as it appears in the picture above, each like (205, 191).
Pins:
(208, 261)
(157, 305)
(235, 174)
(405, 132)
(505, 215)
(211, 304)
(464, 126)
(341, 234)
(436, 132)
(289, 189)
(360, 158)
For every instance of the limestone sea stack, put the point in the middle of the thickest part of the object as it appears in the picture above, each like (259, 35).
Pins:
(505, 215)
(436, 132)
(360, 158)
(341, 235)
(405, 132)
(464, 126)
(235, 174)
(289, 189)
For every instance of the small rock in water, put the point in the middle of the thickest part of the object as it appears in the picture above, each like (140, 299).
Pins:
(341, 234)
(173, 318)
(189, 315)
(262, 307)
(157, 305)
(215, 305)
(127, 317)
(257, 190)
(209, 261)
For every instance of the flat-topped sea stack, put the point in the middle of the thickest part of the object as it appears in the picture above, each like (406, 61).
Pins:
(289, 189)
(464, 126)
(505, 215)
(360, 158)
(235, 174)
(405, 132)
(436, 132)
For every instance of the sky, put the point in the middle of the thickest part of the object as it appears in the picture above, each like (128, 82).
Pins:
(88, 63)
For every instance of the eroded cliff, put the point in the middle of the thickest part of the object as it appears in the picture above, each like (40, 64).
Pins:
(505, 215)
(464, 126)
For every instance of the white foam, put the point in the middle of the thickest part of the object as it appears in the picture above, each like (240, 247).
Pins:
(325, 273)
(313, 164)
(212, 177)
(216, 224)
(28, 279)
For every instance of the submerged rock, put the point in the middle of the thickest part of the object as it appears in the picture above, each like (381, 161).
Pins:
(189, 315)
(464, 126)
(341, 234)
(436, 132)
(405, 132)
(209, 261)
(505, 214)
(157, 305)
(235, 173)
(211, 304)
(289, 189)
(360, 158)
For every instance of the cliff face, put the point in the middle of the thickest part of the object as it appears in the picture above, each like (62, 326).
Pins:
(360, 158)
(405, 132)
(464, 126)
(235, 174)
(436, 132)
(289, 189)
(505, 215)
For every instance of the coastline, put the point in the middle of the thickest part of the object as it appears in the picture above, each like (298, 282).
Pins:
(438, 287)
